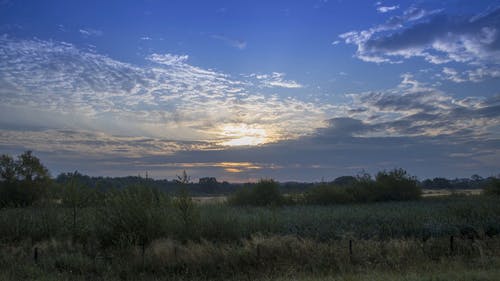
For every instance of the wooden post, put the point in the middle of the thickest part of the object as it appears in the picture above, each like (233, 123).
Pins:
(451, 245)
(35, 255)
(143, 255)
(350, 247)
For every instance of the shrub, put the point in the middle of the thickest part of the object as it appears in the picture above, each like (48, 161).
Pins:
(187, 214)
(396, 185)
(493, 187)
(24, 181)
(329, 194)
(133, 216)
(264, 193)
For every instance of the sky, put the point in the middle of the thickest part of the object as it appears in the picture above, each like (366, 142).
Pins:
(243, 90)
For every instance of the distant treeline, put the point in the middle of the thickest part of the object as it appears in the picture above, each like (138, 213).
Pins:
(25, 180)
(211, 186)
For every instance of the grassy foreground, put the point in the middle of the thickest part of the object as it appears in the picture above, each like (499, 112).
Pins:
(442, 271)
(453, 238)
(259, 258)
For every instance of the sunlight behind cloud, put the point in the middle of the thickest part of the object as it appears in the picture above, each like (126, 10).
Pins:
(243, 134)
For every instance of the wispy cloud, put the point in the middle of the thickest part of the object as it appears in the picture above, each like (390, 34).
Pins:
(168, 59)
(474, 75)
(385, 9)
(414, 109)
(51, 85)
(275, 79)
(60, 100)
(90, 32)
(236, 43)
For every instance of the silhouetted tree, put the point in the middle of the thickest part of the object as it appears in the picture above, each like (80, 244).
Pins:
(23, 181)
(264, 193)
(493, 187)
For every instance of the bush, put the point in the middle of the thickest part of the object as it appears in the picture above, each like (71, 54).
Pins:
(264, 193)
(187, 215)
(395, 185)
(24, 181)
(329, 194)
(493, 187)
(133, 216)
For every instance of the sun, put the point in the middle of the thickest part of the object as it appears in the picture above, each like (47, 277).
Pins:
(243, 135)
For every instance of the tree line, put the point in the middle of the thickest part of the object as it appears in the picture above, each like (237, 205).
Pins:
(26, 181)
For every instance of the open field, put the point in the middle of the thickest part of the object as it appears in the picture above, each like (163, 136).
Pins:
(378, 241)
(446, 192)
(425, 193)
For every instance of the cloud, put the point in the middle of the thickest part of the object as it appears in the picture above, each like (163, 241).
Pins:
(47, 85)
(475, 75)
(432, 35)
(385, 9)
(168, 59)
(82, 110)
(412, 109)
(90, 32)
(236, 43)
(275, 79)
(413, 126)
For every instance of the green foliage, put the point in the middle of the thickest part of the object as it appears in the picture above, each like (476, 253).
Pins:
(493, 187)
(7, 168)
(22, 182)
(395, 185)
(264, 193)
(186, 214)
(325, 194)
(135, 215)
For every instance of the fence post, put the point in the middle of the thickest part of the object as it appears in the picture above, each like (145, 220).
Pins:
(35, 255)
(258, 251)
(350, 250)
(451, 245)
(143, 255)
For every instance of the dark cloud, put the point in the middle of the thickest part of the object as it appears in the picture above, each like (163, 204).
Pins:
(435, 36)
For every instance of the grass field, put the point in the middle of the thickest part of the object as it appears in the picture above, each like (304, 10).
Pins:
(435, 238)
(447, 192)
(376, 241)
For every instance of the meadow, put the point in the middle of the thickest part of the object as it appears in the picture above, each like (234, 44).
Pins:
(358, 228)
(160, 237)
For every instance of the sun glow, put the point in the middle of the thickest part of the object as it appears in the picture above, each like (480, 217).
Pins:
(243, 134)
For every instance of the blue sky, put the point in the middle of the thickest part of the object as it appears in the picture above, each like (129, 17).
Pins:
(294, 90)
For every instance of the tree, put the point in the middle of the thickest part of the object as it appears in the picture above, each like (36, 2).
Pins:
(209, 184)
(344, 180)
(264, 193)
(24, 181)
(134, 215)
(396, 185)
(493, 187)
(183, 179)
(208, 181)
(7, 168)
(29, 168)
(185, 207)
(76, 196)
